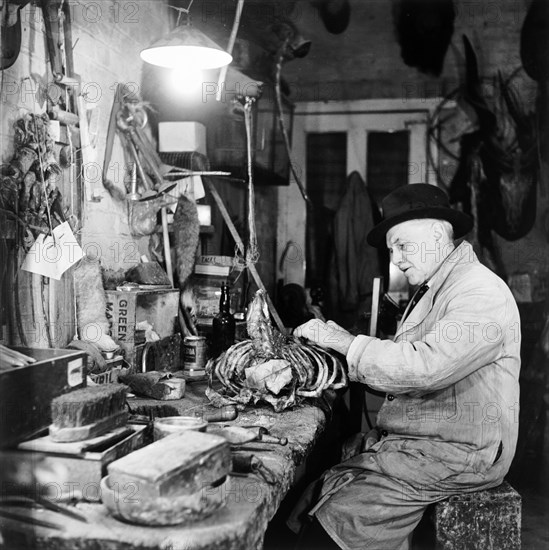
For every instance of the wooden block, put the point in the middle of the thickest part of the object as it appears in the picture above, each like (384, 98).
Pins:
(489, 519)
(46, 444)
(175, 465)
(157, 385)
(95, 429)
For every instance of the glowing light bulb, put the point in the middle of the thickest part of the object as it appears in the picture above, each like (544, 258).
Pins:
(187, 81)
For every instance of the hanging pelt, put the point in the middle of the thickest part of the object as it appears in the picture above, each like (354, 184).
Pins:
(93, 326)
(471, 190)
(512, 194)
(534, 45)
(186, 228)
(505, 145)
(424, 29)
(534, 41)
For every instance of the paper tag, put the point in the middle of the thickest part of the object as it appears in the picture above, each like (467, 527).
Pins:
(51, 256)
(75, 372)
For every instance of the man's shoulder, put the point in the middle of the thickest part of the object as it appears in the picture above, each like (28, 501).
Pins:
(477, 274)
(469, 272)
(481, 283)
(468, 266)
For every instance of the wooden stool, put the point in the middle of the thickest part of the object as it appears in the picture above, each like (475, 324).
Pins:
(489, 519)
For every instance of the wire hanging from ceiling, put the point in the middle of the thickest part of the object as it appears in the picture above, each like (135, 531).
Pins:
(278, 95)
(230, 46)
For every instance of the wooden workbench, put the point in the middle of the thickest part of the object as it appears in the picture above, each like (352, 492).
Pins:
(250, 502)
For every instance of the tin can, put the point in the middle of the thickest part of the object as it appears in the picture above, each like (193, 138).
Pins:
(194, 353)
(241, 332)
(168, 425)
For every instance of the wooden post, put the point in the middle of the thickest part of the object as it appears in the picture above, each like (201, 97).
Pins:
(376, 296)
(240, 244)
(166, 241)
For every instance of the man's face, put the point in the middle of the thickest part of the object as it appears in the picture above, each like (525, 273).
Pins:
(414, 249)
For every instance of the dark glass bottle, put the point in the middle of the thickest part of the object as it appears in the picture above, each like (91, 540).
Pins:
(223, 328)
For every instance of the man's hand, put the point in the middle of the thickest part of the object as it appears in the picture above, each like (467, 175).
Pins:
(327, 335)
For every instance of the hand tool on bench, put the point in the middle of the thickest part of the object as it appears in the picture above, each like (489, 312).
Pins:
(251, 464)
(264, 436)
(267, 438)
(221, 414)
(235, 435)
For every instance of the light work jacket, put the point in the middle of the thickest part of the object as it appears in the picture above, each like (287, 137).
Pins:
(451, 373)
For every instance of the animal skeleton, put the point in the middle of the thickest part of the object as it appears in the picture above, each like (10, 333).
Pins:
(313, 369)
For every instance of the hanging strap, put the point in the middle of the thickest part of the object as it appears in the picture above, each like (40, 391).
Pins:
(111, 132)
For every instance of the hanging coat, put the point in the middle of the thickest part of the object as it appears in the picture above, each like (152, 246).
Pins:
(356, 262)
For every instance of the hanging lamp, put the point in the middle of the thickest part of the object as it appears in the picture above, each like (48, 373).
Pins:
(186, 47)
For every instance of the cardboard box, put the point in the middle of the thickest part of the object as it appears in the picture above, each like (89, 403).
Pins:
(209, 273)
(125, 309)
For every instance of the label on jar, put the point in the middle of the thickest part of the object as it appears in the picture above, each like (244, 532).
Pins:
(194, 352)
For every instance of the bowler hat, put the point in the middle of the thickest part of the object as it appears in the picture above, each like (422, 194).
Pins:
(417, 201)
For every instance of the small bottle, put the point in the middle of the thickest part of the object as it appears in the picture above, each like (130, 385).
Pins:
(223, 328)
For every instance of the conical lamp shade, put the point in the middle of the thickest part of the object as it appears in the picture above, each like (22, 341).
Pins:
(186, 46)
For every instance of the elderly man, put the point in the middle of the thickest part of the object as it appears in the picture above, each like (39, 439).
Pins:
(449, 422)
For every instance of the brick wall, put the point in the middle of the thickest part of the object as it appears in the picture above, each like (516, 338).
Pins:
(365, 62)
(107, 37)
(111, 35)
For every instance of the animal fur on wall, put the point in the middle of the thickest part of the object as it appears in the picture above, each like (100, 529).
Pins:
(186, 229)
(91, 304)
(424, 29)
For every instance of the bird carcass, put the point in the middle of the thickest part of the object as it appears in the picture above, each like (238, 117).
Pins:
(271, 367)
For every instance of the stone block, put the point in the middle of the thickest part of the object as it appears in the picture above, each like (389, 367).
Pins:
(489, 519)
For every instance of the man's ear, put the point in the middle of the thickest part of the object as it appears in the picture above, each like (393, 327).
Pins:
(438, 231)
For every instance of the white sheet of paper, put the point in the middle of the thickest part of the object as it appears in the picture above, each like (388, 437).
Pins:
(51, 256)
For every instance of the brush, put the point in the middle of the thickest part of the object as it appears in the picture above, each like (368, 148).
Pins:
(88, 412)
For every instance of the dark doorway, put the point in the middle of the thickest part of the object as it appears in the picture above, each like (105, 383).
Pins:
(387, 162)
(326, 174)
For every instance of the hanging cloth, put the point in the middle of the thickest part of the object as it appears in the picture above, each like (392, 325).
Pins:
(356, 262)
